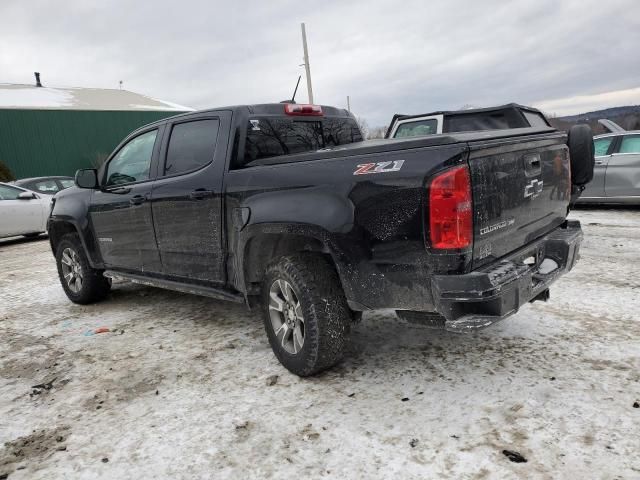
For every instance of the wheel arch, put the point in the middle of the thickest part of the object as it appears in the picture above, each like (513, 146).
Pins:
(262, 244)
(58, 228)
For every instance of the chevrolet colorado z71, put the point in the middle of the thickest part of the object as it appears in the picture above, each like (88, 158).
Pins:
(286, 203)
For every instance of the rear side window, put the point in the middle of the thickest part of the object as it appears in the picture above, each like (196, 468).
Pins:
(272, 137)
(417, 128)
(601, 146)
(535, 119)
(630, 144)
(477, 121)
(191, 146)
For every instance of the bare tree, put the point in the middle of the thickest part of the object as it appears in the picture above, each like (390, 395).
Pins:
(377, 132)
(364, 126)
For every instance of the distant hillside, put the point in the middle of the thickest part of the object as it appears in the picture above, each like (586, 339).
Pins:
(627, 117)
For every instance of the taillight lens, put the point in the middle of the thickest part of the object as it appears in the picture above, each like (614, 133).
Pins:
(450, 213)
(303, 110)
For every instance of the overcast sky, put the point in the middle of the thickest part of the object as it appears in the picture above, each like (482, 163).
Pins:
(390, 57)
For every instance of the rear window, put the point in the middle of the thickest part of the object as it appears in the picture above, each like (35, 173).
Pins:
(49, 187)
(272, 137)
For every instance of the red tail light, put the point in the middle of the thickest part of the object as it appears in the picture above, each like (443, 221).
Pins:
(296, 109)
(450, 213)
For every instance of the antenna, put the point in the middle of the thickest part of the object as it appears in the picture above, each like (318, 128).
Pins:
(293, 98)
(306, 62)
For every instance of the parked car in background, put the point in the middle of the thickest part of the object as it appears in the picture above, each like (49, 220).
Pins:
(616, 177)
(22, 212)
(45, 185)
(469, 120)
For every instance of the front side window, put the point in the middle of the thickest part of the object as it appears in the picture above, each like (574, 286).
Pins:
(67, 183)
(273, 137)
(630, 144)
(417, 128)
(9, 193)
(191, 146)
(132, 162)
(48, 187)
(601, 146)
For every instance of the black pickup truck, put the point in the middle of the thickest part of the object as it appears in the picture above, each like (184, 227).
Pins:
(285, 204)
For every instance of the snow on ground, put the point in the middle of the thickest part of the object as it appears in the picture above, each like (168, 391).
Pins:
(180, 390)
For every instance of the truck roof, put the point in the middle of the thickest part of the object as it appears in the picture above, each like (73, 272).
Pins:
(257, 109)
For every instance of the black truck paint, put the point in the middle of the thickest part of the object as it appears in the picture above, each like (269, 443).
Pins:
(214, 230)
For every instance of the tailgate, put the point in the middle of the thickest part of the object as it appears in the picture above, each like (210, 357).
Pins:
(521, 190)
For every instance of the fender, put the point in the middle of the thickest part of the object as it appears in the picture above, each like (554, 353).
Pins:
(71, 208)
(293, 238)
(321, 206)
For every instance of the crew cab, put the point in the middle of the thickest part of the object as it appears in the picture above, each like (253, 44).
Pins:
(286, 207)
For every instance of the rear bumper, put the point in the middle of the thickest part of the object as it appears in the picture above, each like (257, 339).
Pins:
(480, 298)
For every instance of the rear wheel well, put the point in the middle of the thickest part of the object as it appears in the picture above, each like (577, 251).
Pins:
(262, 250)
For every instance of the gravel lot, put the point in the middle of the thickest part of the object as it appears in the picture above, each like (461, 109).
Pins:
(181, 386)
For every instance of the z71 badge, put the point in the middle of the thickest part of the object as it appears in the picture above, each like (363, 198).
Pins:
(380, 167)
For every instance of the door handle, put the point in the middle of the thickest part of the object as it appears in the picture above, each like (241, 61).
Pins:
(600, 162)
(200, 194)
(137, 200)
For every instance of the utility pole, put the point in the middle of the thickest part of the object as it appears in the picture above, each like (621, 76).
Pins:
(306, 63)
(348, 105)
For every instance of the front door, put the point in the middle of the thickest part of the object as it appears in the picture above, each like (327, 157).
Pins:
(19, 215)
(623, 169)
(187, 198)
(120, 211)
(603, 147)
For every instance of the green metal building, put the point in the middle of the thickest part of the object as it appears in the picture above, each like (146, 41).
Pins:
(55, 131)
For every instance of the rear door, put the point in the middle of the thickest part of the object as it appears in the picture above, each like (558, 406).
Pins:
(19, 216)
(187, 197)
(603, 148)
(120, 211)
(521, 190)
(623, 169)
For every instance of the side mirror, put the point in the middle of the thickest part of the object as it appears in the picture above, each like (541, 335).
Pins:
(26, 196)
(87, 178)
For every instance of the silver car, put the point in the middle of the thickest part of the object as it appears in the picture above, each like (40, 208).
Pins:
(616, 177)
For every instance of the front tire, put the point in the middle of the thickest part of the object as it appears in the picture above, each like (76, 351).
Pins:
(306, 315)
(80, 282)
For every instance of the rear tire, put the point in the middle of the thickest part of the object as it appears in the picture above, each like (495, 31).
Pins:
(80, 282)
(306, 315)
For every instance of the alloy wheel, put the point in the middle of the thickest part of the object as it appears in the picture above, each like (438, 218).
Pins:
(72, 270)
(285, 312)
